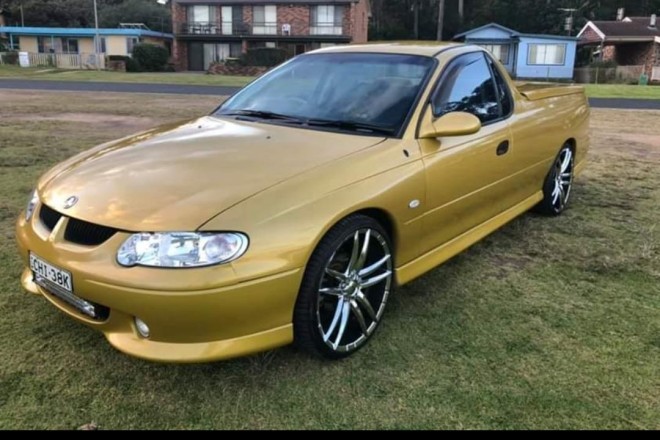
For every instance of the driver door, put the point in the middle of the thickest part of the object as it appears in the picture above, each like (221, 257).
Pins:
(465, 174)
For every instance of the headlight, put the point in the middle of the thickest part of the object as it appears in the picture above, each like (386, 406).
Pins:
(181, 249)
(31, 205)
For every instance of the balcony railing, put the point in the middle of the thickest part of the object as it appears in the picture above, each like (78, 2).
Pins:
(240, 29)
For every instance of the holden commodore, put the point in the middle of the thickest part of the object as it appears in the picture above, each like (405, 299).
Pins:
(291, 212)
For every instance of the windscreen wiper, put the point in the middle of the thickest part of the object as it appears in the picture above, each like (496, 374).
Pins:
(261, 114)
(352, 126)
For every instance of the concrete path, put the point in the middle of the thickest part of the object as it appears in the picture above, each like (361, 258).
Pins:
(183, 89)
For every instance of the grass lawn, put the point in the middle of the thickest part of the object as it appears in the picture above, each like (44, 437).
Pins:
(44, 73)
(548, 323)
(622, 91)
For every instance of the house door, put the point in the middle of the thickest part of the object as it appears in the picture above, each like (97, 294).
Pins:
(195, 56)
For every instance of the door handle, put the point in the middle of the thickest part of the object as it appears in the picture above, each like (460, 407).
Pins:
(503, 148)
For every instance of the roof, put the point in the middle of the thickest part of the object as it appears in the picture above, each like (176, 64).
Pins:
(630, 29)
(514, 34)
(423, 48)
(80, 32)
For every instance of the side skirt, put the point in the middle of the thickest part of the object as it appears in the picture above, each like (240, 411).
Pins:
(439, 255)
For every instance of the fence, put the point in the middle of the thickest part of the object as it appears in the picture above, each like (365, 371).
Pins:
(61, 60)
(655, 75)
(609, 75)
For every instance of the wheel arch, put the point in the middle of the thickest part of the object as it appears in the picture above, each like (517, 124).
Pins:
(571, 142)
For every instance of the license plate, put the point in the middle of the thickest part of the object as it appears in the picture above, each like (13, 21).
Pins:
(52, 274)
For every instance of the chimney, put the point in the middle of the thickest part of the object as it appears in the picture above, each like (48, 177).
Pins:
(654, 19)
(620, 13)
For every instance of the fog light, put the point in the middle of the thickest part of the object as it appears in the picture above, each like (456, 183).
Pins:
(142, 328)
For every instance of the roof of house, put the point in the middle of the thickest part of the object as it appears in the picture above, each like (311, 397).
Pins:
(514, 34)
(626, 28)
(80, 32)
(630, 29)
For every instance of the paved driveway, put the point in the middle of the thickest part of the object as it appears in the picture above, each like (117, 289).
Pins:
(182, 89)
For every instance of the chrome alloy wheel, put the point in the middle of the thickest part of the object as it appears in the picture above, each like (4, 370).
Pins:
(563, 179)
(353, 290)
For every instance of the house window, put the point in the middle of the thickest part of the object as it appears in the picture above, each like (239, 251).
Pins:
(130, 44)
(70, 45)
(327, 20)
(49, 45)
(499, 51)
(227, 20)
(103, 45)
(202, 19)
(214, 53)
(265, 20)
(235, 50)
(546, 54)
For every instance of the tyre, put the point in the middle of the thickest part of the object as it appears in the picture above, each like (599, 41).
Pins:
(558, 184)
(345, 289)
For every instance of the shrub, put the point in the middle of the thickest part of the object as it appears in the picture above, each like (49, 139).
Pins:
(609, 64)
(10, 57)
(149, 57)
(131, 64)
(263, 57)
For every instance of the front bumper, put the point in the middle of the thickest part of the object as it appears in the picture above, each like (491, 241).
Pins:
(195, 320)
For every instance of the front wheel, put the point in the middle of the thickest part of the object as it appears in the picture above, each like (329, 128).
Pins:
(345, 289)
(558, 184)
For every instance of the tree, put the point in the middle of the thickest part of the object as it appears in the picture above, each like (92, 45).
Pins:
(441, 18)
(80, 13)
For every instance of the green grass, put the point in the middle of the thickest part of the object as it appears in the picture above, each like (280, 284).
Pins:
(550, 323)
(44, 73)
(622, 91)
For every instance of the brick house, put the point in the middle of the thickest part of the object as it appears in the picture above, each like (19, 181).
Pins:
(213, 30)
(631, 41)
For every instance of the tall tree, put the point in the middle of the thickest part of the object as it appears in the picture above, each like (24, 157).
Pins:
(441, 19)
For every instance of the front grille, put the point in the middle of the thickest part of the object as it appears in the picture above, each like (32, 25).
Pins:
(77, 231)
(87, 234)
(49, 217)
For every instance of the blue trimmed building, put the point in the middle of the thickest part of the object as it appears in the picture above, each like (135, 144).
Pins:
(80, 40)
(529, 56)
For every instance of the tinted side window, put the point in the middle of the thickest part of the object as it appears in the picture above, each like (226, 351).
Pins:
(467, 86)
(502, 89)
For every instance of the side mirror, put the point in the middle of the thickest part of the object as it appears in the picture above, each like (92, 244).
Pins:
(451, 124)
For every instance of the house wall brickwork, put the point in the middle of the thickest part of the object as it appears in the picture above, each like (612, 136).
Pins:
(297, 16)
(355, 27)
(179, 48)
(633, 54)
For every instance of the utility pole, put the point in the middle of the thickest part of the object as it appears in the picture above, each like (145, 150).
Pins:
(441, 18)
(97, 40)
(20, 7)
(461, 9)
(568, 26)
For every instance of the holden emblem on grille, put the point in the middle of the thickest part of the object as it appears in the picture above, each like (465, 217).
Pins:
(70, 202)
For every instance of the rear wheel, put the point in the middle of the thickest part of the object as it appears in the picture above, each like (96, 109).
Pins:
(345, 289)
(558, 184)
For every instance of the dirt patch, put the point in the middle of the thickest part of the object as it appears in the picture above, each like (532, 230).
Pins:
(628, 133)
(132, 122)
